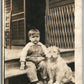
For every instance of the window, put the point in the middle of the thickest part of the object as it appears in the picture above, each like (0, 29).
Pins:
(18, 28)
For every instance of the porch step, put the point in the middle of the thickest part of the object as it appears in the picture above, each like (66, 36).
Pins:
(13, 69)
(12, 64)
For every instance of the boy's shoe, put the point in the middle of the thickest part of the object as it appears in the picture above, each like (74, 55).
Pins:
(45, 82)
(69, 82)
(40, 82)
(37, 82)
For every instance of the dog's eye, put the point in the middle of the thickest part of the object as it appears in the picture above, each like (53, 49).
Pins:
(49, 51)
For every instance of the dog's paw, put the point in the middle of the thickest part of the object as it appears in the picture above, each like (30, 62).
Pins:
(73, 79)
(50, 82)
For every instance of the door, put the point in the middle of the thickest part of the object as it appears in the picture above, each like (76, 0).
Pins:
(35, 17)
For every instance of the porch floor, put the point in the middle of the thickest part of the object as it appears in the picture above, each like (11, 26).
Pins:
(14, 53)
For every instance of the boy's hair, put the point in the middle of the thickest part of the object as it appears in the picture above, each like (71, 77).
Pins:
(33, 32)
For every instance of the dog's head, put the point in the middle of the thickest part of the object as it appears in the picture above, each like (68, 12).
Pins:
(53, 53)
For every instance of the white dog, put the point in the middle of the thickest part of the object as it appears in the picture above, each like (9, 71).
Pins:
(57, 69)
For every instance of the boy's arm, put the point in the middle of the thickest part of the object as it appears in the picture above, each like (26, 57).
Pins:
(22, 65)
(24, 54)
(23, 57)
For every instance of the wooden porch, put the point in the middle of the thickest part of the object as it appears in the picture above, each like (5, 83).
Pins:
(13, 74)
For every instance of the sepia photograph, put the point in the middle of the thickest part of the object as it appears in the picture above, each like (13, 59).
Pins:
(42, 42)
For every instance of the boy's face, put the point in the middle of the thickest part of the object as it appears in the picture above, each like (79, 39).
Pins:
(34, 38)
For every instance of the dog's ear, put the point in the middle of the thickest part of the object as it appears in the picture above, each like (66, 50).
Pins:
(58, 51)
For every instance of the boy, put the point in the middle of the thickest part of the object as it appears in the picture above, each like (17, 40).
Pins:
(33, 54)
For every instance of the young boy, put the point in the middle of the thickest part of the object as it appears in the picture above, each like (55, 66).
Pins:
(33, 54)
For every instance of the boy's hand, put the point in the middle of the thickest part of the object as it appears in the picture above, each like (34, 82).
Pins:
(22, 66)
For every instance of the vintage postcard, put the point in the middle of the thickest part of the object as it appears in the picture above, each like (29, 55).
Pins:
(42, 42)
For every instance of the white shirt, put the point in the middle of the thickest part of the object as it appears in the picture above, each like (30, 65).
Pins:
(26, 48)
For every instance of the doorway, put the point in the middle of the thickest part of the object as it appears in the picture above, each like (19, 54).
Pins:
(35, 17)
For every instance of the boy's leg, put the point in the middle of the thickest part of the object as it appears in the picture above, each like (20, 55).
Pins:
(31, 71)
(43, 69)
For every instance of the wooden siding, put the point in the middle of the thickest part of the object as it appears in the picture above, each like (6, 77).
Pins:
(59, 3)
(7, 23)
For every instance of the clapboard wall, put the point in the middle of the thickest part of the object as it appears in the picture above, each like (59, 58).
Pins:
(59, 3)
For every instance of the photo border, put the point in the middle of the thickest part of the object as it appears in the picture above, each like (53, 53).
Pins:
(0, 41)
(2, 35)
(83, 38)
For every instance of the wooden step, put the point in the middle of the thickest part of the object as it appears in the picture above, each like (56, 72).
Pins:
(12, 61)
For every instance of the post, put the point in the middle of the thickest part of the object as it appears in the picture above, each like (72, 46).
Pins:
(47, 7)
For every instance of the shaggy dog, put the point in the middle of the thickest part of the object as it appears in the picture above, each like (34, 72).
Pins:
(58, 70)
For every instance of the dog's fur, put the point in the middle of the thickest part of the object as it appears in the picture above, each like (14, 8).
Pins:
(59, 72)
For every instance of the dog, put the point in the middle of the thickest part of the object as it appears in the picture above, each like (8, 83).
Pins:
(58, 71)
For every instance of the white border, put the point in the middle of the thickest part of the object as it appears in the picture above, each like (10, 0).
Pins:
(78, 42)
